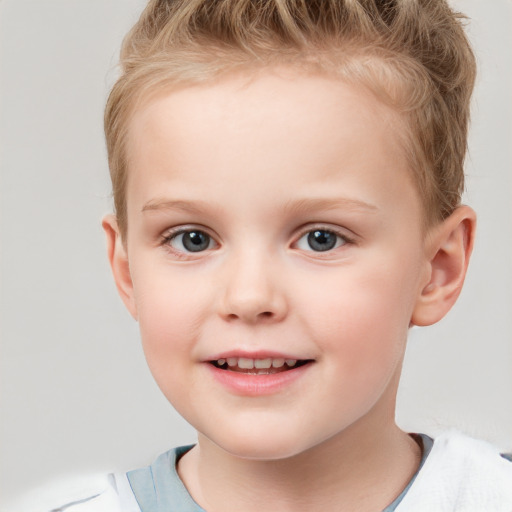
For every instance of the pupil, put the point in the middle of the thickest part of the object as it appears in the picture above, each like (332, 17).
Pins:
(320, 240)
(195, 241)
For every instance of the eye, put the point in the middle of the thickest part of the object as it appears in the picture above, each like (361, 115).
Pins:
(192, 240)
(320, 240)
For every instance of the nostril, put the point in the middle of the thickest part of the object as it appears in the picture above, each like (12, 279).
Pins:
(259, 316)
(252, 308)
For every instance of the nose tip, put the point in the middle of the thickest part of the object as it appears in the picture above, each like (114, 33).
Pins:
(253, 296)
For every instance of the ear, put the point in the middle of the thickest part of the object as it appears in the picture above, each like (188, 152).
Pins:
(449, 249)
(118, 259)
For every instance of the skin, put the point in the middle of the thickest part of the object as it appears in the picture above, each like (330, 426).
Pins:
(257, 164)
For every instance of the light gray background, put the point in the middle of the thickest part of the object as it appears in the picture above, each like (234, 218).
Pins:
(76, 396)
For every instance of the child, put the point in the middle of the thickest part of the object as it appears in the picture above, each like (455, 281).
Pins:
(287, 179)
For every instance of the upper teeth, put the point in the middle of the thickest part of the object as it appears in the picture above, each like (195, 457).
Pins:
(247, 363)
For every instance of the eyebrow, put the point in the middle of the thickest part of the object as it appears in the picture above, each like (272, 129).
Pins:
(325, 204)
(187, 206)
(292, 207)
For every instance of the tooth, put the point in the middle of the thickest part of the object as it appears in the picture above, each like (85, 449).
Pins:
(245, 363)
(291, 362)
(277, 363)
(221, 362)
(263, 363)
(232, 361)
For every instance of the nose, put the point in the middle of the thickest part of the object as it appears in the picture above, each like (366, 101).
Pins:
(252, 293)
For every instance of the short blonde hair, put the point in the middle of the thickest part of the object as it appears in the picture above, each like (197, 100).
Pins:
(413, 54)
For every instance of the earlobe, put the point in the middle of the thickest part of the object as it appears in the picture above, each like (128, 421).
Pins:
(118, 259)
(450, 247)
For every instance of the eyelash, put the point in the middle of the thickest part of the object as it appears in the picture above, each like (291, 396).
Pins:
(345, 239)
(170, 236)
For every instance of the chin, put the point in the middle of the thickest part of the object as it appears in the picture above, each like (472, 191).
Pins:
(264, 445)
(260, 451)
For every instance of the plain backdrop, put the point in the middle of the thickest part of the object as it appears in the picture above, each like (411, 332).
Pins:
(76, 396)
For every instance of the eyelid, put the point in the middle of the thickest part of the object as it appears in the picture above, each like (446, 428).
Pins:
(168, 235)
(349, 239)
(344, 233)
(173, 232)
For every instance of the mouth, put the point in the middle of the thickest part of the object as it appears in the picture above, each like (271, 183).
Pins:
(267, 366)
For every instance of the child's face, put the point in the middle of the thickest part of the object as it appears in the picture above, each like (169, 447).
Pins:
(273, 220)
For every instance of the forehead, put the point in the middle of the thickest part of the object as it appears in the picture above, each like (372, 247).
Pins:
(276, 97)
(275, 127)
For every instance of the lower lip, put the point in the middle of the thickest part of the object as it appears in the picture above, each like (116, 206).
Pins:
(257, 385)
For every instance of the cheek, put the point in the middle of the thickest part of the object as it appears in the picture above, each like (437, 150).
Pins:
(361, 316)
(170, 314)
(362, 340)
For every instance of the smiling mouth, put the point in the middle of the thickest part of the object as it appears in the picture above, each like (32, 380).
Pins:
(268, 366)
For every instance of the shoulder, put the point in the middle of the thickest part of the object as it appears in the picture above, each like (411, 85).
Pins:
(120, 492)
(461, 474)
(94, 493)
(116, 496)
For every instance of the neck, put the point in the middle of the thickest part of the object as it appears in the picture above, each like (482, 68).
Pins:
(356, 468)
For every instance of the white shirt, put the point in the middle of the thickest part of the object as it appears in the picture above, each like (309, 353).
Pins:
(460, 474)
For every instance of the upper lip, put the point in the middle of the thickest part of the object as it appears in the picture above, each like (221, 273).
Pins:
(254, 354)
